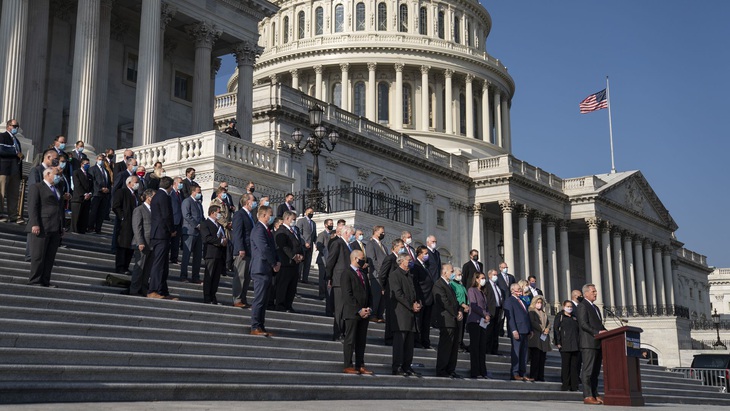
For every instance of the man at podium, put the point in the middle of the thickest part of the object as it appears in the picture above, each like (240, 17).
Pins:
(590, 324)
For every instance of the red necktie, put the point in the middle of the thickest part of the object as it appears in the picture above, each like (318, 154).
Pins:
(359, 275)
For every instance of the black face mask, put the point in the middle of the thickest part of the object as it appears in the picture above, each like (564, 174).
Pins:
(360, 262)
(252, 189)
(475, 258)
(381, 236)
(54, 162)
(330, 227)
(580, 299)
(310, 215)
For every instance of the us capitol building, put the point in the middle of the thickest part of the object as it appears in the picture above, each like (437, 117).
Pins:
(422, 111)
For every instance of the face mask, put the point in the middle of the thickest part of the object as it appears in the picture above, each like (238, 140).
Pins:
(360, 262)
(99, 163)
(568, 309)
(483, 282)
(179, 186)
(266, 203)
(475, 258)
(359, 238)
(580, 299)
(494, 279)
(80, 149)
(453, 276)
(533, 285)
(330, 227)
(310, 215)
(254, 204)
(252, 189)
(135, 187)
(140, 173)
(56, 179)
(425, 258)
(538, 306)
(218, 216)
(198, 196)
(408, 241)
(62, 165)
(504, 271)
(85, 167)
(402, 250)
(54, 163)
(271, 220)
(458, 278)
(224, 196)
(352, 238)
(62, 146)
(14, 131)
(433, 246)
(381, 236)
(192, 177)
(134, 169)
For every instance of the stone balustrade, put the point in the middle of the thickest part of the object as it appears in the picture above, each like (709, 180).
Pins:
(692, 256)
(507, 164)
(589, 183)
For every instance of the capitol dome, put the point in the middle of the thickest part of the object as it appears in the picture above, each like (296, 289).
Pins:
(373, 58)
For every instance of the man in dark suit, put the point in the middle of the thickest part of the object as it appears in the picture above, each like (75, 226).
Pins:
(504, 282)
(264, 263)
(520, 330)
(141, 223)
(161, 231)
(192, 216)
(470, 268)
(81, 198)
(100, 197)
(11, 170)
(389, 265)
(495, 301)
(405, 306)
(338, 259)
(532, 283)
(243, 223)
(120, 166)
(357, 299)
(376, 252)
(590, 324)
(123, 204)
(59, 144)
(434, 258)
(77, 155)
(446, 317)
(323, 240)
(188, 182)
(120, 179)
(176, 200)
(287, 205)
(289, 250)
(576, 296)
(308, 231)
(424, 292)
(214, 252)
(45, 226)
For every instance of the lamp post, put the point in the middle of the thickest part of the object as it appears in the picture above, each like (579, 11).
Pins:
(315, 143)
(716, 320)
(500, 249)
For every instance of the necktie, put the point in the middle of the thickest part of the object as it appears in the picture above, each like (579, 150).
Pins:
(498, 294)
(348, 245)
(522, 304)
(359, 275)
(410, 252)
(54, 191)
(597, 311)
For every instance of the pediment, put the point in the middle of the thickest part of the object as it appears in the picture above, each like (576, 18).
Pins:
(634, 193)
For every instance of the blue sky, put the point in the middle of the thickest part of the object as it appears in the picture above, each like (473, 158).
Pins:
(669, 67)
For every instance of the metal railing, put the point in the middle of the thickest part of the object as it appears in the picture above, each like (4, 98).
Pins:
(357, 198)
(707, 344)
(709, 376)
(703, 324)
(647, 311)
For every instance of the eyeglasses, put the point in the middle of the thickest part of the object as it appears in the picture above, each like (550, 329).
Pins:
(15, 125)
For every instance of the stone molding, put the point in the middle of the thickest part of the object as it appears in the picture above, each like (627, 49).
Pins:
(246, 53)
(405, 188)
(167, 12)
(593, 222)
(332, 163)
(507, 205)
(203, 33)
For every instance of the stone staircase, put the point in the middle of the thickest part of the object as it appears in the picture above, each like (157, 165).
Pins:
(85, 341)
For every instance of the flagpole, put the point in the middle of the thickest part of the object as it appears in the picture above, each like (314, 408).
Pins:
(610, 126)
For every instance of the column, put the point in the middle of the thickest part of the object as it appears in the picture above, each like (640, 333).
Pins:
(524, 242)
(486, 120)
(148, 75)
(565, 259)
(398, 120)
(469, 106)
(245, 54)
(425, 95)
(607, 266)
(215, 65)
(658, 275)
(619, 285)
(649, 273)
(97, 140)
(552, 267)
(370, 101)
(294, 78)
(507, 207)
(477, 232)
(668, 281)
(34, 84)
(640, 285)
(587, 256)
(84, 79)
(318, 82)
(538, 269)
(506, 124)
(629, 272)
(345, 70)
(204, 34)
(594, 276)
(13, 33)
(449, 104)
(675, 294)
(498, 118)
(492, 259)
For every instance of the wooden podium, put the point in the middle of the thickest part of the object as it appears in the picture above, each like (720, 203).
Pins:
(621, 375)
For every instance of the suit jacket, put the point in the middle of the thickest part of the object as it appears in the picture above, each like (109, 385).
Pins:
(281, 208)
(35, 175)
(212, 247)
(445, 306)
(539, 291)
(161, 209)
(225, 211)
(263, 250)
(516, 316)
(590, 324)
(187, 185)
(75, 159)
(338, 258)
(119, 167)
(141, 223)
(10, 164)
(192, 216)
(100, 180)
(389, 265)
(83, 183)
(44, 209)
(287, 246)
(468, 270)
(323, 240)
(402, 297)
(241, 233)
(356, 295)
(308, 230)
(504, 286)
(491, 299)
(176, 202)
(376, 253)
(123, 205)
(423, 283)
(120, 179)
(434, 264)
(152, 182)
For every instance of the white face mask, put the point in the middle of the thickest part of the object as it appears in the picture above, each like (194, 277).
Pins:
(494, 279)
(504, 271)
(483, 282)
(408, 241)
(568, 309)
(458, 278)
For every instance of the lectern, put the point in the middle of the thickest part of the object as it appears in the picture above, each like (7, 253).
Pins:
(621, 375)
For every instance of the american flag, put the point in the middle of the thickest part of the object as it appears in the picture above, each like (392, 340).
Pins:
(595, 101)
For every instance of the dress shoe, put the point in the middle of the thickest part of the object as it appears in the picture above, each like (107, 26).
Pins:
(3, 219)
(155, 295)
(380, 320)
(456, 376)
(259, 331)
(528, 379)
(169, 297)
(591, 401)
(599, 399)
(443, 375)
(198, 282)
(291, 310)
(20, 221)
(365, 371)
(412, 372)
(50, 285)
(400, 371)
(184, 280)
(350, 370)
(517, 378)
(241, 305)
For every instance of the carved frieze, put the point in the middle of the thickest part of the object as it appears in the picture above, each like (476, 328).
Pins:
(332, 163)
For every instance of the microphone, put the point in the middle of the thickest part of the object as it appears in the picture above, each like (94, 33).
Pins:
(619, 321)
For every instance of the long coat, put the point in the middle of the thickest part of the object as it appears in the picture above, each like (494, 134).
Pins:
(537, 331)
(445, 306)
(356, 295)
(123, 205)
(402, 297)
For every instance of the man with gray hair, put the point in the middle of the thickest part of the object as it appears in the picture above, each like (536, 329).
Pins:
(123, 204)
(45, 226)
(338, 259)
(405, 306)
(141, 222)
(590, 324)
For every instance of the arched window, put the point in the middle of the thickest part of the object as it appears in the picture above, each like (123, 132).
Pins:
(469, 37)
(359, 98)
(462, 113)
(457, 30)
(383, 100)
(360, 16)
(337, 94)
(431, 105)
(475, 117)
(444, 106)
(403, 18)
(286, 29)
(441, 24)
(382, 17)
(407, 105)
(423, 21)
(273, 34)
(300, 25)
(318, 21)
(339, 18)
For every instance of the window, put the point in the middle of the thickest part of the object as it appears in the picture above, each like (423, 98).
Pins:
(407, 105)
(300, 25)
(359, 98)
(318, 21)
(273, 34)
(360, 16)
(462, 114)
(383, 100)
(286, 29)
(440, 218)
(337, 94)
(691, 293)
(345, 186)
(183, 86)
(310, 175)
(441, 25)
(423, 21)
(132, 66)
(431, 105)
(469, 39)
(382, 17)
(457, 30)
(339, 18)
(475, 117)
(403, 18)
(416, 211)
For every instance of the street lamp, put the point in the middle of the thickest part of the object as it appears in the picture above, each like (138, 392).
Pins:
(716, 320)
(500, 249)
(315, 143)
